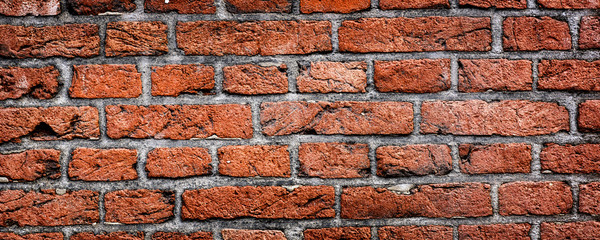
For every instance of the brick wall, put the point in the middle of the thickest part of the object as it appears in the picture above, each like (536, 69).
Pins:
(299, 119)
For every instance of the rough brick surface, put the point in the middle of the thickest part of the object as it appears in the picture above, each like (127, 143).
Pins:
(349, 118)
(136, 38)
(69, 40)
(178, 162)
(515, 4)
(249, 79)
(244, 234)
(415, 34)
(415, 232)
(18, 8)
(588, 119)
(589, 198)
(47, 208)
(182, 236)
(412, 76)
(258, 6)
(253, 38)
(330, 77)
(180, 6)
(569, 4)
(333, 6)
(108, 236)
(409, 4)
(105, 81)
(349, 233)
(570, 230)
(495, 158)
(517, 231)
(173, 80)
(254, 161)
(583, 158)
(179, 121)
(534, 34)
(272, 202)
(534, 198)
(589, 32)
(139, 206)
(30, 165)
(571, 75)
(89, 164)
(436, 200)
(480, 75)
(31, 236)
(334, 160)
(97, 7)
(413, 160)
(510, 117)
(17, 82)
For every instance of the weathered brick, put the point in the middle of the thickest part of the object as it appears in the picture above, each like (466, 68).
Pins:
(589, 198)
(17, 82)
(254, 161)
(534, 34)
(415, 232)
(272, 202)
(332, 77)
(410, 4)
(349, 118)
(105, 81)
(172, 80)
(18, 8)
(250, 79)
(517, 231)
(588, 119)
(412, 76)
(244, 234)
(182, 236)
(52, 123)
(446, 200)
(508, 118)
(534, 198)
(47, 208)
(413, 160)
(258, 6)
(421, 34)
(334, 160)
(136, 39)
(89, 164)
(254, 38)
(500, 4)
(570, 230)
(480, 75)
(333, 6)
(178, 162)
(571, 75)
(569, 4)
(179, 121)
(348, 233)
(30, 165)
(108, 236)
(69, 40)
(32, 236)
(180, 6)
(584, 158)
(495, 158)
(589, 32)
(99, 7)
(139, 206)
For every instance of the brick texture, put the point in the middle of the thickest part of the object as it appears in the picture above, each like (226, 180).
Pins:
(103, 164)
(407, 4)
(333, 77)
(251, 79)
(495, 158)
(97, 7)
(480, 75)
(259, 6)
(19, 8)
(333, 6)
(413, 160)
(589, 116)
(180, 6)
(584, 158)
(182, 236)
(254, 161)
(173, 80)
(569, 75)
(108, 236)
(415, 232)
(495, 231)
(353, 233)
(589, 34)
(105, 81)
(17, 82)
(178, 162)
(334, 160)
(535, 198)
(534, 34)
(500, 4)
(412, 76)
(573, 230)
(242, 234)
(30, 165)
(136, 38)
(139, 206)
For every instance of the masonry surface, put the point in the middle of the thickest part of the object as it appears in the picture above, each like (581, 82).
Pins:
(299, 119)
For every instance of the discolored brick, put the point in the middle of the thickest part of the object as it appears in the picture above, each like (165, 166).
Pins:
(413, 160)
(139, 206)
(535, 34)
(348, 233)
(173, 80)
(136, 39)
(495, 158)
(108, 236)
(569, 75)
(569, 4)
(100, 7)
(180, 6)
(480, 75)
(432, 232)
(534, 198)
(250, 79)
(570, 230)
(334, 160)
(17, 82)
(243, 234)
(30, 165)
(19, 8)
(412, 76)
(258, 6)
(517, 231)
(583, 158)
(89, 164)
(178, 162)
(500, 4)
(105, 81)
(32, 236)
(254, 161)
(333, 6)
(588, 119)
(410, 4)
(589, 32)
(332, 77)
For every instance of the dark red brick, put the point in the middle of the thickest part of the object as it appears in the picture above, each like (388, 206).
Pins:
(108, 236)
(105, 81)
(495, 158)
(180, 6)
(415, 232)
(589, 32)
(570, 75)
(333, 77)
(334, 160)
(333, 6)
(139, 206)
(517, 231)
(413, 160)
(89, 164)
(500, 4)
(19, 8)
(588, 119)
(182, 236)
(584, 158)
(569, 4)
(535, 198)
(178, 162)
(570, 230)
(254, 161)
(30, 165)
(480, 75)
(17, 82)
(346, 233)
(98, 7)
(250, 79)
(412, 76)
(589, 198)
(136, 39)
(410, 4)
(172, 80)
(245, 234)
(258, 6)
(534, 34)
(31, 236)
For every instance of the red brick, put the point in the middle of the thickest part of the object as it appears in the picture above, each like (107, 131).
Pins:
(349, 118)
(412, 76)
(31, 236)
(535, 198)
(495, 158)
(334, 160)
(588, 119)
(423, 34)
(53, 123)
(180, 6)
(500, 4)
(244, 234)
(480, 75)
(178, 162)
(254, 161)
(172, 80)
(258, 6)
(508, 118)
(18, 8)
(272, 202)
(413, 160)
(105, 81)
(534, 34)
(136, 39)
(410, 4)
(139, 206)
(17, 82)
(179, 121)
(47, 208)
(108, 236)
(589, 32)
(347, 233)
(254, 38)
(30, 165)
(584, 158)
(89, 164)
(249, 79)
(69, 40)
(571, 230)
(333, 77)
(569, 4)
(517, 231)
(333, 6)
(446, 200)
(571, 75)
(182, 236)
(99, 7)
(589, 198)
(415, 232)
